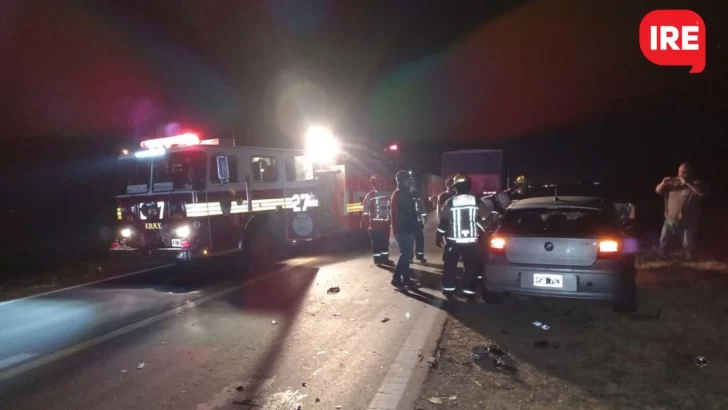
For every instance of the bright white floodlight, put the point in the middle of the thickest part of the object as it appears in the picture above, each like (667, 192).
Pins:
(321, 145)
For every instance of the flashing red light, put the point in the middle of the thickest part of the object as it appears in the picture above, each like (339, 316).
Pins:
(394, 147)
(185, 244)
(182, 139)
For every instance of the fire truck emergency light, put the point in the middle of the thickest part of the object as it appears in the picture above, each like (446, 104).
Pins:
(321, 145)
(157, 152)
(393, 147)
(161, 143)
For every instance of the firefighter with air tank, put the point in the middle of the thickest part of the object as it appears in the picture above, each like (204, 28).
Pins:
(377, 216)
(462, 219)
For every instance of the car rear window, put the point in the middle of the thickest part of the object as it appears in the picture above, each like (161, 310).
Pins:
(563, 222)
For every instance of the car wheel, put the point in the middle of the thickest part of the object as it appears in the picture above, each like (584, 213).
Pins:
(626, 301)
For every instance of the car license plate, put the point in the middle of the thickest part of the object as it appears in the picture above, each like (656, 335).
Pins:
(548, 281)
(177, 243)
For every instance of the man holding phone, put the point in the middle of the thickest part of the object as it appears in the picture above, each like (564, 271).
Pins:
(682, 209)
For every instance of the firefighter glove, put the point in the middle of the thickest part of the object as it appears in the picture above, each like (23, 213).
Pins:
(439, 236)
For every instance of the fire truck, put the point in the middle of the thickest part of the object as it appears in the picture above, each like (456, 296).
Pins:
(187, 197)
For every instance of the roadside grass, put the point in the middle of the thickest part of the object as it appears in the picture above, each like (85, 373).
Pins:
(590, 357)
(21, 284)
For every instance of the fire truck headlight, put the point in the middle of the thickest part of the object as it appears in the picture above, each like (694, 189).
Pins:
(126, 232)
(183, 231)
(320, 144)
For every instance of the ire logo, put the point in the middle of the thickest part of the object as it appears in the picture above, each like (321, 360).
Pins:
(674, 38)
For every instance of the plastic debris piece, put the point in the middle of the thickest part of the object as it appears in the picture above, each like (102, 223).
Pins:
(273, 322)
(335, 289)
(700, 361)
(537, 324)
(140, 366)
(435, 400)
(124, 370)
(545, 327)
(386, 319)
(453, 397)
(304, 384)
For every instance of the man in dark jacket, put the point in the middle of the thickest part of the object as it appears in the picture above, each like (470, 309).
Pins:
(405, 224)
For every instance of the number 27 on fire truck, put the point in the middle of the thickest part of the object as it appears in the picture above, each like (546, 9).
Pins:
(187, 197)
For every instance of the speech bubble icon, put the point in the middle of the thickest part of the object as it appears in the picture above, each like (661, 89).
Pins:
(674, 38)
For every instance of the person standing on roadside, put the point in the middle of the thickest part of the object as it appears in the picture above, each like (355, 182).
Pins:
(405, 225)
(422, 217)
(683, 194)
(445, 195)
(376, 216)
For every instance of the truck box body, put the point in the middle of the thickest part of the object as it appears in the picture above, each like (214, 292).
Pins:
(484, 166)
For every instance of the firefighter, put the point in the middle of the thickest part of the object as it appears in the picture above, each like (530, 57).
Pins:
(520, 190)
(377, 216)
(422, 217)
(505, 198)
(461, 222)
(442, 198)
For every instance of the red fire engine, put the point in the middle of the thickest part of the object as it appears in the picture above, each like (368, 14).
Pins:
(186, 197)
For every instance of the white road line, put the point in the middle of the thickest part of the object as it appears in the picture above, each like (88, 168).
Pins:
(7, 302)
(9, 361)
(44, 360)
(392, 389)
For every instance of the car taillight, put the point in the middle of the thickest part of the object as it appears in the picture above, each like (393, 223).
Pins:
(497, 245)
(608, 248)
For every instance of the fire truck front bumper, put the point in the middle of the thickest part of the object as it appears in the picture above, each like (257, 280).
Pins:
(171, 254)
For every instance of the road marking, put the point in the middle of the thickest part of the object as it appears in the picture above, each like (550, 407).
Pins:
(7, 302)
(44, 360)
(7, 362)
(393, 386)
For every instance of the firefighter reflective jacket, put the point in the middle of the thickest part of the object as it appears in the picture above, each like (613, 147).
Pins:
(461, 219)
(377, 208)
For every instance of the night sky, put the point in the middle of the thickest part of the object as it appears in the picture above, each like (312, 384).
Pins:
(562, 85)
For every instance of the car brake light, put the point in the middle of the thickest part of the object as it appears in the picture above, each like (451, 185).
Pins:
(497, 244)
(608, 249)
(608, 246)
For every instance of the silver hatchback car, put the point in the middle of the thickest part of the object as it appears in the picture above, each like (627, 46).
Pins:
(567, 247)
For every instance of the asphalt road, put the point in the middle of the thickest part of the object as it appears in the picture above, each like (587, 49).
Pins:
(275, 340)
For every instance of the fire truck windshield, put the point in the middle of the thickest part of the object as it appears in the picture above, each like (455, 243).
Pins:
(171, 172)
(179, 170)
(134, 174)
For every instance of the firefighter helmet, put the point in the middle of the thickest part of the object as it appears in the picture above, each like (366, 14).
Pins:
(462, 183)
(521, 180)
